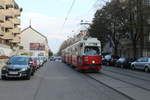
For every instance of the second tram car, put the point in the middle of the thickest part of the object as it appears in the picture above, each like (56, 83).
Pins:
(84, 55)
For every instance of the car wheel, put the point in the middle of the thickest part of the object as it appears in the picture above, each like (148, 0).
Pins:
(146, 69)
(28, 77)
(121, 66)
(107, 63)
(133, 67)
(3, 77)
(32, 74)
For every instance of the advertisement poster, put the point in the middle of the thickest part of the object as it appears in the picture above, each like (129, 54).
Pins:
(37, 46)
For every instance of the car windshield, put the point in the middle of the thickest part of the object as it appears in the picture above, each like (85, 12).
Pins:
(91, 50)
(122, 59)
(18, 61)
(108, 57)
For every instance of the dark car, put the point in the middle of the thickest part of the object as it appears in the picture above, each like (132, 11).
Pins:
(110, 60)
(123, 62)
(17, 67)
(106, 59)
(45, 59)
(113, 60)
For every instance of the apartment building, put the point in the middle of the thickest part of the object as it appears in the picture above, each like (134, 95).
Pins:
(9, 22)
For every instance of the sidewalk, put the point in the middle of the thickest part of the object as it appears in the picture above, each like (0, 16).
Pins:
(3, 62)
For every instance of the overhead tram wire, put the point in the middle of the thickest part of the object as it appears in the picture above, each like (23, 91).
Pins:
(69, 11)
(93, 6)
(105, 1)
(89, 10)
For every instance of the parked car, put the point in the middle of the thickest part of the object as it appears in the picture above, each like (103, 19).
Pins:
(110, 60)
(17, 67)
(41, 61)
(44, 59)
(113, 60)
(106, 59)
(58, 58)
(123, 62)
(35, 63)
(52, 58)
(142, 64)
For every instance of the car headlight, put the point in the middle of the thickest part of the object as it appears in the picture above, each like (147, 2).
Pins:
(4, 68)
(24, 69)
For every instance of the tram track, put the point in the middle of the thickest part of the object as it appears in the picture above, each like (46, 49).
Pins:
(144, 92)
(127, 82)
(100, 82)
(129, 75)
(129, 90)
(137, 73)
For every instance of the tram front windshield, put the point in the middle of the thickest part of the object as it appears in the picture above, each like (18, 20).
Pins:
(91, 50)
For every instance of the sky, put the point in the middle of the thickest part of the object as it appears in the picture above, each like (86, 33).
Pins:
(48, 16)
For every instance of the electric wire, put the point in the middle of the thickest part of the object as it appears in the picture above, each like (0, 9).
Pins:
(69, 11)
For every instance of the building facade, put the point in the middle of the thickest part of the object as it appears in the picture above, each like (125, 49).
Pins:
(140, 10)
(142, 19)
(9, 30)
(33, 43)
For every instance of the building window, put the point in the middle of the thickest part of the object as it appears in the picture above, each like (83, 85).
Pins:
(148, 2)
(148, 20)
(149, 36)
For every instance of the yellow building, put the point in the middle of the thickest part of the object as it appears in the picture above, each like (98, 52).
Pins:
(9, 22)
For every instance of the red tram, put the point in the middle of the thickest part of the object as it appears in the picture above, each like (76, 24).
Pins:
(84, 55)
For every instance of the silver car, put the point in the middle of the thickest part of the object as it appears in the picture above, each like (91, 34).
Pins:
(141, 63)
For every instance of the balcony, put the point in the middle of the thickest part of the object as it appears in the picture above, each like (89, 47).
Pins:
(8, 25)
(16, 39)
(8, 36)
(2, 17)
(9, 12)
(16, 30)
(2, 5)
(16, 21)
(9, 2)
(17, 12)
(1, 33)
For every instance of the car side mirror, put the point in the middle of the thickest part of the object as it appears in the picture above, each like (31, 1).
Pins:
(8, 63)
(30, 63)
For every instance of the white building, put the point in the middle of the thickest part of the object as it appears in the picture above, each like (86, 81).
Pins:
(33, 43)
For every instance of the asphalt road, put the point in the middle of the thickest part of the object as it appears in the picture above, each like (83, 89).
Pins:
(57, 81)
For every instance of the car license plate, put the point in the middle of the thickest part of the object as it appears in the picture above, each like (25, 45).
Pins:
(13, 72)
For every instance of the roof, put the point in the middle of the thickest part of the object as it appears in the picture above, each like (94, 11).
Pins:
(35, 31)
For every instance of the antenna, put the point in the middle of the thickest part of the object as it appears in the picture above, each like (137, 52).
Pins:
(30, 23)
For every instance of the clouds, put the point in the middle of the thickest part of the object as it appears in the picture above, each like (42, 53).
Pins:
(51, 27)
(48, 17)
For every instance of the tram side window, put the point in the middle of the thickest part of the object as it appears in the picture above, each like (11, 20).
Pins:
(91, 50)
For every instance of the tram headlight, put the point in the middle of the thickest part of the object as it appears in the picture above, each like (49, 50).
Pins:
(93, 62)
